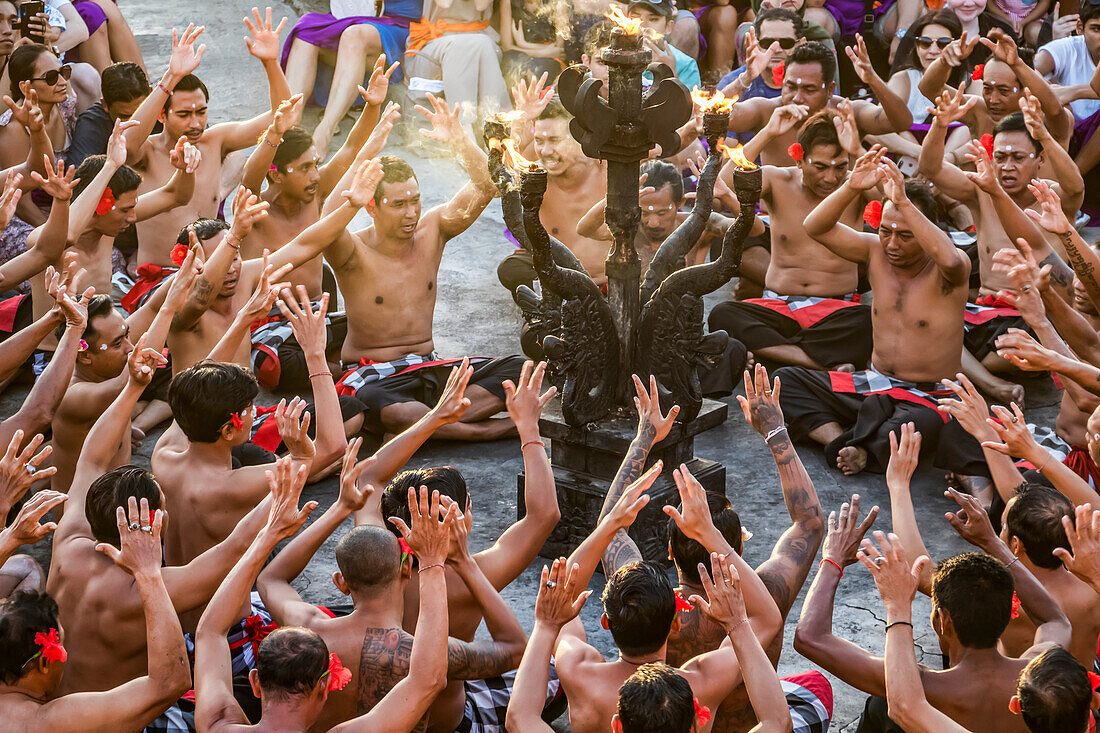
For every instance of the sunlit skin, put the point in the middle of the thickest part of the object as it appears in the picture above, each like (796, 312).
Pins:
(1000, 89)
(186, 116)
(932, 52)
(398, 212)
(1016, 162)
(899, 244)
(804, 84)
(824, 169)
(659, 218)
(555, 148)
(9, 15)
(300, 177)
(777, 30)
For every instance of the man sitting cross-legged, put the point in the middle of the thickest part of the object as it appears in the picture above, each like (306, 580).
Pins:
(295, 671)
(375, 571)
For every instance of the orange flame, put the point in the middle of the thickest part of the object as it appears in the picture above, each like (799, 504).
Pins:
(737, 155)
(716, 102)
(510, 116)
(632, 26)
(517, 160)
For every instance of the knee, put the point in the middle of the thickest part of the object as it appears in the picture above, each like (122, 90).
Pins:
(720, 315)
(362, 37)
(724, 17)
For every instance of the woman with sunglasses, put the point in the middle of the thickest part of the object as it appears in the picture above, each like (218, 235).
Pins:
(36, 67)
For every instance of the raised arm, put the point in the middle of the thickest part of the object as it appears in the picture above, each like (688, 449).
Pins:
(785, 571)
(46, 243)
(258, 306)
(84, 206)
(904, 455)
(1004, 48)
(931, 164)
(183, 60)
(25, 528)
(782, 121)
(374, 97)
(823, 223)
(216, 707)
(1052, 218)
(1057, 158)
(185, 158)
(933, 82)
(1083, 556)
(261, 161)
(892, 113)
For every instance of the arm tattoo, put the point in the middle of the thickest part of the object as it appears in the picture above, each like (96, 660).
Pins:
(202, 291)
(631, 467)
(383, 662)
(477, 660)
(620, 551)
(1060, 274)
(1084, 270)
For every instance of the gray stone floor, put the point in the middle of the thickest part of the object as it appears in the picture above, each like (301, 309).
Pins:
(476, 316)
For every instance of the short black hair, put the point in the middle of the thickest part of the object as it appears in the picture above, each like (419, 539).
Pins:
(1054, 692)
(98, 306)
(23, 614)
(1087, 12)
(815, 52)
(291, 661)
(661, 173)
(124, 82)
(1035, 517)
(819, 129)
(394, 170)
(21, 66)
(368, 556)
(124, 180)
(296, 141)
(781, 14)
(188, 83)
(204, 396)
(919, 193)
(112, 490)
(597, 37)
(555, 110)
(687, 553)
(975, 590)
(1014, 122)
(640, 605)
(656, 699)
(447, 480)
(205, 230)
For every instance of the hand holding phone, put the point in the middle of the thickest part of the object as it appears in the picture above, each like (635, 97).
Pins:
(32, 20)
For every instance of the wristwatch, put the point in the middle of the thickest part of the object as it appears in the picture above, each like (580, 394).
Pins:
(900, 33)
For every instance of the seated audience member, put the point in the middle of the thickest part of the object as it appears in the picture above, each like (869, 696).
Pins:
(775, 33)
(532, 39)
(1025, 17)
(714, 27)
(1071, 61)
(657, 17)
(328, 55)
(124, 88)
(36, 68)
(110, 39)
(295, 672)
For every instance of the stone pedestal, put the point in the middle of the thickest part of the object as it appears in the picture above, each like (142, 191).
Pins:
(585, 461)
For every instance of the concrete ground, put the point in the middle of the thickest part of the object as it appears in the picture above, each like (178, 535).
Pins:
(476, 316)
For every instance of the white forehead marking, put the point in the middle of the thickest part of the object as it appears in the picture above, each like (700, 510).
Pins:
(798, 80)
(650, 208)
(1008, 148)
(103, 347)
(408, 192)
(385, 201)
(893, 226)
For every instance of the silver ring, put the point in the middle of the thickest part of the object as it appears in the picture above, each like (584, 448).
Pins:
(879, 560)
(1015, 419)
(146, 528)
(134, 526)
(551, 584)
(1026, 288)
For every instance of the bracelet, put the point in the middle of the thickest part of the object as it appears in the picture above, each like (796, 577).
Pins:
(320, 374)
(429, 567)
(899, 623)
(834, 563)
(229, 237)
(1014, 561)
(164, 89)
(737, 625)
(532, 442)
(773, 433)
(274, 145)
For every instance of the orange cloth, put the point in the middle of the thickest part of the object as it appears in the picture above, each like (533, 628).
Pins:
(424, 31)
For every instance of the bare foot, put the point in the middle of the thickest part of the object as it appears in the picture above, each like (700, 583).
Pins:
(845, 368)
(136, 437)
(851, 460)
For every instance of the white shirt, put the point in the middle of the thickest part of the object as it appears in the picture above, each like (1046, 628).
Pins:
(351, 8)
(1072, 66)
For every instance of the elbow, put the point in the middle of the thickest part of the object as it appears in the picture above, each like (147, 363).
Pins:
(805, 644)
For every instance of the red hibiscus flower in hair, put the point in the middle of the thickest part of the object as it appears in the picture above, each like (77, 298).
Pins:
(179, 254)
(872, 214)
(1015, 606)
(796, 152)
(50, 642)
(987, 142)
(978, 72)
(682, 605)
(339, 675)
(777, 73)
(235, 421)
(106, 203)
(702, 713)
(405, 549)
(1094, 681)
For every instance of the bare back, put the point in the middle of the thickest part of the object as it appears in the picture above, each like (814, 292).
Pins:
(562, 208)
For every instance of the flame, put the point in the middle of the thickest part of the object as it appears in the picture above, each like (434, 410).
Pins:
(517, 160)
(737, 155)
(717, 102)
(631, 26)
(510, 116)
(494, 144)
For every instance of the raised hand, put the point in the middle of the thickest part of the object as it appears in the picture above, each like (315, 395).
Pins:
(724, 604)
(526, 401)
(352, 497)
(58, 183)
(959, 50)
(952, 107)
(264, 43)
(143, 362)
(985, 177)
(653, 427)
(1051, 217)
(786, 119)
(1024, 352)
(430, 535)
(896, 581)
(248, 209)
(27, 111)
(893, 182)
(757, 59)
(1002, 46)
(75, 311)
(904, 455)
(308, 325)
(116, 145)
(179, 286)
(139, 539)
(293, 424)
(865, 173)
(378, 137)
(559, 601)
(185, 58)
(285, 485)
(634, 499)
(288, 114)
(846, 128)
(693, 517)
(264, 295)
(861, 60)
(25, 529)
(760, 405)
(971, 521)
(846, 532)
(1084, 542)
(363, 185)
(9, 199)
(453, 402)
(446, 122)
(379, 83)
(1011, 428)
(532, 96)
(1034, 118)
(19, 470)
(969, 409)
(185, 156)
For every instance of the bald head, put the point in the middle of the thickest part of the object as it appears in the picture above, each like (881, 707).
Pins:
(368, 556)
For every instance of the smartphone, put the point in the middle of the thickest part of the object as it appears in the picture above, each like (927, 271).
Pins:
(28, 10)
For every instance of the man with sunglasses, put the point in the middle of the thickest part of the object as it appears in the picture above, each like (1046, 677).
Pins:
(777, 32)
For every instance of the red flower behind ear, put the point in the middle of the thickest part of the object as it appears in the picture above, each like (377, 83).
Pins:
(702, 713)
(1015, 606)
(987, 142)
(872, 214)
(1094, 681)
(978, 72)
(796, 152)
(235, 420)
(405, 549)
(339, 675)
(52, 651)
(179, 254)
(682, 605)
(777, 73)
(106, 203)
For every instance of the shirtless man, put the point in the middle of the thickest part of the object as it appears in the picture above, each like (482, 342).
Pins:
(375, 573)
(298, 679)
(971, 605)
(179, 101)
(810, 315)
(575, 183)
(808, 89)
(919, 281)
(32, 674)
(388, 273)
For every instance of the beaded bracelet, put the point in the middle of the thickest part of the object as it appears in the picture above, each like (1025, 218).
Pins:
(429, 567)
(532, 442)
(320, 374)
